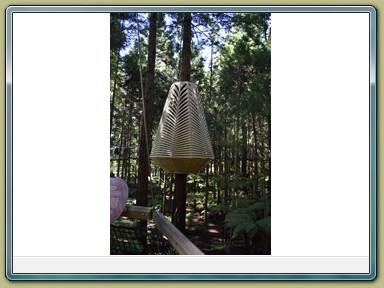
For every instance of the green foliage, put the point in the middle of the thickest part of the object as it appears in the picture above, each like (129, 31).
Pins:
(220, 248)
(254, 25)
(188, 217)
(245, 220)
(128, 223)
(156, 202)
(216, 208)
(117, 36)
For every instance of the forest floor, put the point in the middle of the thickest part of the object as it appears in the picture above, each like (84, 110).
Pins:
(211, 239)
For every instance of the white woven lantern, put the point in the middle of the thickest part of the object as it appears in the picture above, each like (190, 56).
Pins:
(182, 143)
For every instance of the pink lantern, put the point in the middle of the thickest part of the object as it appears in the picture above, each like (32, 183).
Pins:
(119, 197)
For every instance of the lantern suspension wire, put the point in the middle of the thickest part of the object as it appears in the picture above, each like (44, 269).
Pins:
(143, 101)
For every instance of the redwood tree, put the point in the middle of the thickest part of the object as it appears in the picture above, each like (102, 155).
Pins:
(180, 198)
(147, 120)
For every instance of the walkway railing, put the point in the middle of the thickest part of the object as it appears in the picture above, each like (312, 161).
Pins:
(177, 239)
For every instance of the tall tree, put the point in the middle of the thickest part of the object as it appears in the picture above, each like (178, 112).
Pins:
(147, 120)
(180, 198)
(117, 41)
(186, 52)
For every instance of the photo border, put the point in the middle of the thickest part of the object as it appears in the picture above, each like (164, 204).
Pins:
(190, 8)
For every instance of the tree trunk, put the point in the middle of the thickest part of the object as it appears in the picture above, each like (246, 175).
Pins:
(244, 151)
(180, 198)
(145, 135)
(113, 96)
(165, 194)
(211, 68)
(226, 170)
(171, 192)
(256, 158)
(186, 52)
(129, 141)
(206, 198)
(119, 158)
(219, 166)
(125, 149)
(236, 164)
(269, 152)
(128, 171)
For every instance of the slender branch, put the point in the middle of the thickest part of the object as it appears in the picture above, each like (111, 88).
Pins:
(210, 30)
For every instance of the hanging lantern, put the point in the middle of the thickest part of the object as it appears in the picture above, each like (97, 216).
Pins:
(182, 143)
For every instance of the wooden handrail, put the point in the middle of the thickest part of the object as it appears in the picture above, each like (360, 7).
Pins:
(137, 212)
(178, 240)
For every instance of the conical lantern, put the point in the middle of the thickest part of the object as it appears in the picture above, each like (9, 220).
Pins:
(182, 144)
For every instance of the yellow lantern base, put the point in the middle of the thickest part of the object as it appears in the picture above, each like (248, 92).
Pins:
(181, 165)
